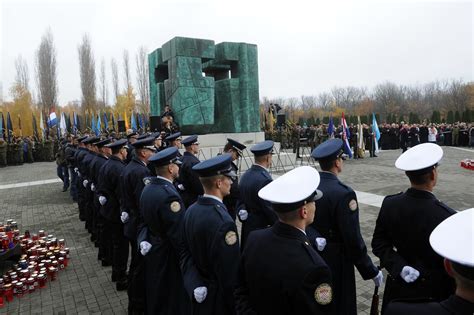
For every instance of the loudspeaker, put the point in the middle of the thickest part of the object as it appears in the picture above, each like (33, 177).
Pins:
(121, 125)
(281, 118)
(155, 123)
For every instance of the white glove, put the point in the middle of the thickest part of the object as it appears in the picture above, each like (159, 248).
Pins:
(321, 243)
(84, 183)
(243, 215)
(144, 248)
(378, 279)
(200, 294)
(79, 174)
(181, 187)
(92, 187)
(409, 274)
(124, 217)
(76, 170)
(102, 200)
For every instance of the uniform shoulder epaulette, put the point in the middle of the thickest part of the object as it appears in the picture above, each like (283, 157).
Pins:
(170, 190)
(344, 185)
(394, 195)
(442, 205)
(221, 211)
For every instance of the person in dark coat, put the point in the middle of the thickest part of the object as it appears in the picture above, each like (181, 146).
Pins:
(163, 213)
(337, 221)
(235, 149)
(254, 212)
(97, 225)
(132, 137)
(132, 186)
(458, 263)
(280, 272)
(403, 227)
(404, 141)
(187, 177)
(210, 255)
(423, 133)
(110, 197)
(79, 155)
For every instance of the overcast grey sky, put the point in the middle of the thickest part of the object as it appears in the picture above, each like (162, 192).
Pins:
(305, 47)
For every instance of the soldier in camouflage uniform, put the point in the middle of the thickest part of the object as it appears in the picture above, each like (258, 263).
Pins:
(3, 153)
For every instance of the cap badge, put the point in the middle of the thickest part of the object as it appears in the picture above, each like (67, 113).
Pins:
(230, 238)
(175, 206)
(353, 205)
(323, 294)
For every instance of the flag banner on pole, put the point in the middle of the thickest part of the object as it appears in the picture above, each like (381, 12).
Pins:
(376, 133)
(62, 124)
(52, 120)
(127, 126)
(74, 123)
(113, 122)
(133, 122)
(360, 139)
(2, 127)
(98, 126)
(93, 128)
(331, 129)
(346, 135)
(35, 127)
(106, 123)
(43, 132)
(9, 128)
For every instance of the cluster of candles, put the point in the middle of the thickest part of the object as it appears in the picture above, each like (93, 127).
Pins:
(41, 259)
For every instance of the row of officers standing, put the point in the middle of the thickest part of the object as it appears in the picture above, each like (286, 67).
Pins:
(300, 237)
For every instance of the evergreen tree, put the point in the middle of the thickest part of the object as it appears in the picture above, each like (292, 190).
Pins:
(318, 121)
(450, 118)
(457, 116)
(326, 120)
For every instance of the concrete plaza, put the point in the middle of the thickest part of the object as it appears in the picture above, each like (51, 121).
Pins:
(31, 195)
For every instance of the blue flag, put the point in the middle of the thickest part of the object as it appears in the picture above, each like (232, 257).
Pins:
(74, 123)
(92, 123)
(376, 132)
(2, 124)
(98, 126)
(106, 123)
(134, 122)
(140, 122)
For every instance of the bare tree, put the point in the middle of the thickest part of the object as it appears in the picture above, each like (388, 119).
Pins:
(22, 77)
(87, 72)
(126, 71)
(46, 78)
(115, 79)
(103, 84)
(142, 80)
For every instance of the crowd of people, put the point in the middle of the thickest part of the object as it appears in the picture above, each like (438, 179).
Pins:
(392, 136)
(300, 239)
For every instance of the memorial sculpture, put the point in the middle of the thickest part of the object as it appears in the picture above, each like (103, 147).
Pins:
(212, 88)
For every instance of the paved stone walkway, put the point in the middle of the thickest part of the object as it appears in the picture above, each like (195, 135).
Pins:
(85, 287)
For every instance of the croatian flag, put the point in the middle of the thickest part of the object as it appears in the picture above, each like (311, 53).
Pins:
(52, 119)
(346, 135)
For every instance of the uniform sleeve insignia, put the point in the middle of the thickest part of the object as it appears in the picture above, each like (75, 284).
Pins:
(175, 206)
(353, 205)
(323, 294)
(147, 181)
(230, 238)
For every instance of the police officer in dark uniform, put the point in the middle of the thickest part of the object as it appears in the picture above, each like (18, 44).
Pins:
(403, 227)
(109, 191)
(132, 186)
(187, 177)
(163, 214)
(174, 140)
(451, 239)
(280, 272)
(234, 148)
(79, 155)
(131, 138)
(254, 212)
(211, 252)
(337, 222)
(94, 168)
(89, 194)
(69, 153)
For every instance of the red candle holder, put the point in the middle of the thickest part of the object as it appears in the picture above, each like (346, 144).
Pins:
(52, 272)
(8, 289)
(42, 278)
(31, 284)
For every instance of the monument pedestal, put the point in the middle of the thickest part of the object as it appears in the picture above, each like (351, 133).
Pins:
(211, 145)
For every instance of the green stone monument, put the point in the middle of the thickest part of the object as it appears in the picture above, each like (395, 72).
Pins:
(211, 88)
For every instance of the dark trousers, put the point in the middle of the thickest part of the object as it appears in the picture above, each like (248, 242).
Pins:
(63, 173)
(73, 191)
(119, 247)
(136, 281)
(81, 199)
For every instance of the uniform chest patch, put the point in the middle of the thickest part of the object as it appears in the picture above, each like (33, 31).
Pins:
(147, 181)
(323, 294)
(230, 238)
(353, 205)
(175, 206)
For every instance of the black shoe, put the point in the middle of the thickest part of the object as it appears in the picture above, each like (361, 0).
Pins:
(105, 263)
(375, 155)
(121, 285)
